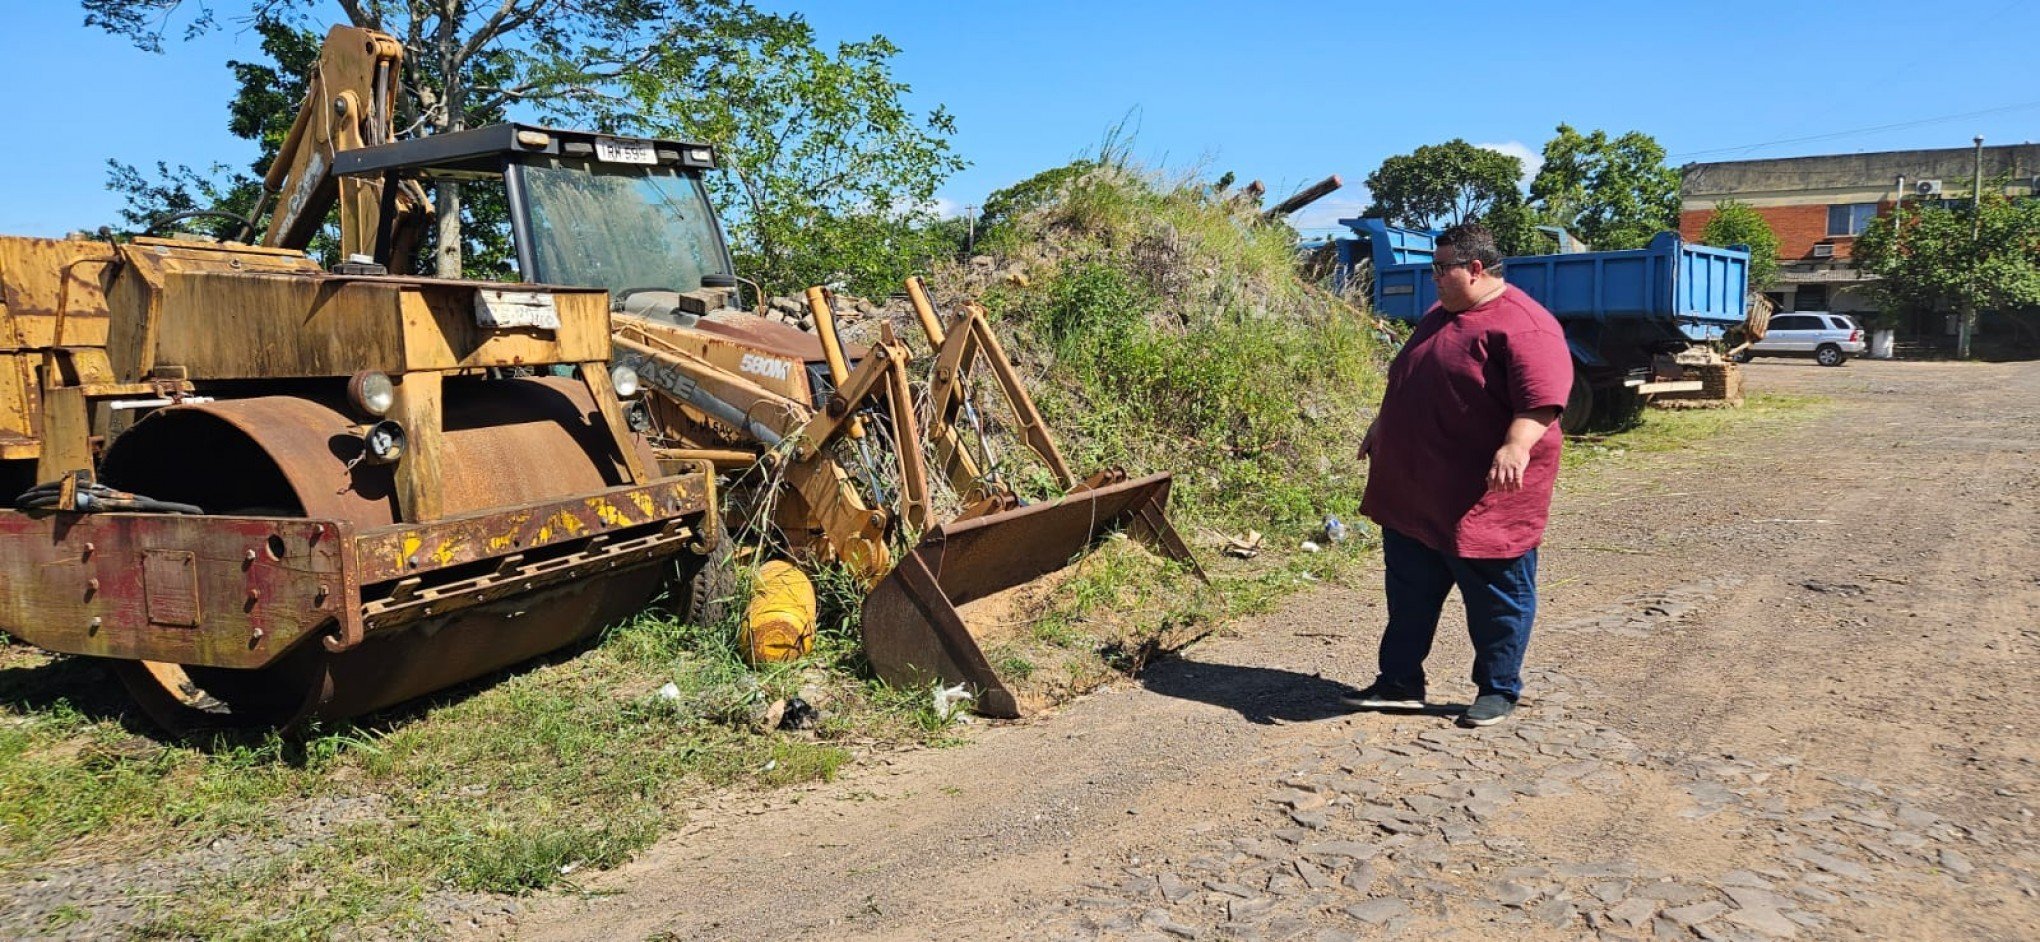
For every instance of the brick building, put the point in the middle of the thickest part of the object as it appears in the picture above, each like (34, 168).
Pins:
(1818, 205)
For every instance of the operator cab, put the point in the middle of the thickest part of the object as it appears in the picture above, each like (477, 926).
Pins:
(627, 214)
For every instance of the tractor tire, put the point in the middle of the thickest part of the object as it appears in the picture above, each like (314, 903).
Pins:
(1579, 405)
(1617, 408)
(703, 591)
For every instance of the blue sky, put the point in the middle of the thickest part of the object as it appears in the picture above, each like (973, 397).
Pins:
(1286, 94)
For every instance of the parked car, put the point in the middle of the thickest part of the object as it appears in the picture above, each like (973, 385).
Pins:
(1830, 339)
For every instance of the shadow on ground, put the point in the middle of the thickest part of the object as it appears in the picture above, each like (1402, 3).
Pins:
(1261, 695)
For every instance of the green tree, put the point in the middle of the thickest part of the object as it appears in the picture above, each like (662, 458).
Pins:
(828, 175)
(1735, 223)
(1939, 257)
(1515, 225)
(265, 104)
(1443, 184)
(466, 63)
(1048, 185)
(1615, 193)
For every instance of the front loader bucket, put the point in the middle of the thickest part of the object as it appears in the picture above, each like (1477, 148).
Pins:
(912, 631)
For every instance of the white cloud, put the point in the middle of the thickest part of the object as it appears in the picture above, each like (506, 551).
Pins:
(1532, 160)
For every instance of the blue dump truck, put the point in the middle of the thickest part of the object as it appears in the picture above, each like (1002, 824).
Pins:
(1621, 310)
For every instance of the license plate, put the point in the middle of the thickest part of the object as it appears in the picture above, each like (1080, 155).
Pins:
(496, 309)
(610, 150)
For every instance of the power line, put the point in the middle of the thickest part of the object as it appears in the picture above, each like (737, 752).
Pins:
(2024, 106)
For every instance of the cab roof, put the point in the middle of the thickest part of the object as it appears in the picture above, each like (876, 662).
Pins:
(486, 151)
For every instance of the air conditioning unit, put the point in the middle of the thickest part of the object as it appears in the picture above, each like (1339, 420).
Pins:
(1927, 188)
(1824, 250)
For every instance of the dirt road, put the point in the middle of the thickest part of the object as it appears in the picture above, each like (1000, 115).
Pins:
(1784, 686)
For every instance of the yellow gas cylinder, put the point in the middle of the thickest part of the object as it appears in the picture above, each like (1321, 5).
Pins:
(780, 623)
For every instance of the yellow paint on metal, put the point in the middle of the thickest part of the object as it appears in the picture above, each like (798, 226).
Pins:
(411, 545)
(780, 623)
(445, 553)
(643, 501)
(607, 512)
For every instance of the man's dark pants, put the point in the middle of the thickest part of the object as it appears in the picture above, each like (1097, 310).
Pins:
(1501, 602)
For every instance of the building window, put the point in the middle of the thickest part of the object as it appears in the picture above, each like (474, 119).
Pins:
(1848, 219)
(1811, 298)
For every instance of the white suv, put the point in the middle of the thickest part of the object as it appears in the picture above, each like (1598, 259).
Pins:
(1831, 339)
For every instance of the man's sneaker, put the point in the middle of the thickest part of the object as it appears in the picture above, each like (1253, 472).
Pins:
(1487, 710)
(1382, 695)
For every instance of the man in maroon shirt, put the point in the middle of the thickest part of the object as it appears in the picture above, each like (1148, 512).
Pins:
(1465, 452)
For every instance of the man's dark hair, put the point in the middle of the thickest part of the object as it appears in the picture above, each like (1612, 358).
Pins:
(1473, 242)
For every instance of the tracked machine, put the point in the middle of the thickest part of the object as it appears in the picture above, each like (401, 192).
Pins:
(265, 492)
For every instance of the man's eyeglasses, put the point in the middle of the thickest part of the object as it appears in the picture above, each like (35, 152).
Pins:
(1439, 268)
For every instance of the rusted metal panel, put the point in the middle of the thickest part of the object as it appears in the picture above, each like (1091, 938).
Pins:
(441, 330)
(418, 407)
(20, 407)
(53, 292)
(170, 583)
(66, 434)
(237, 311)
(519, 578)
(396, 552)
(912, 631)
(215, 591)
(225, 324)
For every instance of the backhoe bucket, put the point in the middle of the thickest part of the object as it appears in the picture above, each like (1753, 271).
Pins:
(913, 633)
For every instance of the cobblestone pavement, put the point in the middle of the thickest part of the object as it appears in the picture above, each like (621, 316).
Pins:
(1406, 830)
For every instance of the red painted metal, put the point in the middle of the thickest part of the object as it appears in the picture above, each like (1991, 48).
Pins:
(191, 590)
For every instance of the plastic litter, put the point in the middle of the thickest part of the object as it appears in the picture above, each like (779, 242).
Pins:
(669, 692)
(1310, 547)
(799, 715)
(1243, 547)
(949, 701)
(1335, 529)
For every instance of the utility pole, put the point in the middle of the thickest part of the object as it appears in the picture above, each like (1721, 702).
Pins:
(970, 220)
(1968, 328)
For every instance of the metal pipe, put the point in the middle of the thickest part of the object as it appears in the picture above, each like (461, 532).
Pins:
(924, 310)
(832, 345)
(123, 404)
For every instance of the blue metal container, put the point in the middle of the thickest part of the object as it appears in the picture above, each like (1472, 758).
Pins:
(1617, 307)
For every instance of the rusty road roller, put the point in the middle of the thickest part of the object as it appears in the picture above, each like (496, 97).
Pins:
(266, 492)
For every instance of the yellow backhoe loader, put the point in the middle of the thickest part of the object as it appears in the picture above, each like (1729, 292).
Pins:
(266, 492)
(807, 405)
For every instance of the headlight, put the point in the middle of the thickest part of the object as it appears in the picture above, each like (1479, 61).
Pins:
(383, 443)
(371, 392)
(624, 379)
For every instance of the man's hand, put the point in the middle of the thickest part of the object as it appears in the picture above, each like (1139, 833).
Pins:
(1506, 472)
(1367, 444)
